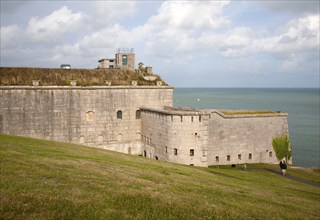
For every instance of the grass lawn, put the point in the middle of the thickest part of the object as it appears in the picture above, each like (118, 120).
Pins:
(51, 180)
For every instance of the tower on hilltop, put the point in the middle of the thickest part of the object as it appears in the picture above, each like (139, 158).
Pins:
(125, 58)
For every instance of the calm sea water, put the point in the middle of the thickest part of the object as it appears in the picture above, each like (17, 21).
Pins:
(302, 105)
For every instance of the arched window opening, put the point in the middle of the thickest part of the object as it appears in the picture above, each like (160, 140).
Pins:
(119, 114)
(90, 116)
(138, 114)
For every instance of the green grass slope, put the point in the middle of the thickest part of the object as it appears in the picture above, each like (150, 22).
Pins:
(50, 180)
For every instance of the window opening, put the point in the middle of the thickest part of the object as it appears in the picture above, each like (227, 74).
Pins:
(270, 154)
(228, 157)
(217, 158)
(119, 114)
(191, 152)
(175, 151)
(90, 116)
(124, 59)
(250, 156)
(239, 156)
(138, 114)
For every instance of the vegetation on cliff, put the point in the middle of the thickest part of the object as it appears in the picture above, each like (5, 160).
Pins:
(62, 77)
(50, 180)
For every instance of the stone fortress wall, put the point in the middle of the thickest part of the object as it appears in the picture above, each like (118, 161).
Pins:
(101, 116)
(236, 139)
(139, 120)
(170, 134)
(209, 137)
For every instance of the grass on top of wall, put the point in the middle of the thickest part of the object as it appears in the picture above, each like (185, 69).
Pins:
(51, 180)
(62, 77)
(247, 112)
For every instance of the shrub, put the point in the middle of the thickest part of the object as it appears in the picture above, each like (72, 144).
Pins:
(281, 146)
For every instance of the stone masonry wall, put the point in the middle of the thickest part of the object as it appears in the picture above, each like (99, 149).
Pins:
(175, 136)
(244, 139)
(208, 137)
(86, 115)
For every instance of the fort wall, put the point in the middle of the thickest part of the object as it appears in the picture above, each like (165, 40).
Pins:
(140, 120)
(208, 137)
(175, 136)
(240, 139)
(101, 116)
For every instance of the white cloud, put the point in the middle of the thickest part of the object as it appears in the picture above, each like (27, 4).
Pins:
(191, 15)
(53, 27)
(10, 36)
(298, 35)
(178, 26)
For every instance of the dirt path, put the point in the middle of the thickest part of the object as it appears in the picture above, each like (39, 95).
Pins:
(298, 179)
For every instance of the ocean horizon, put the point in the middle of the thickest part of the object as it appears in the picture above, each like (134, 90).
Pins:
(301, 104)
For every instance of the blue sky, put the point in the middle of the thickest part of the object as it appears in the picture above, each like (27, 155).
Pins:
(188, 43)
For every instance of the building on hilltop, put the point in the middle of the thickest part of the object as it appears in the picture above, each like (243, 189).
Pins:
(124, 59)
(106, 63)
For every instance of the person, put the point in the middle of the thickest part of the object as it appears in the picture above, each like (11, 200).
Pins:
(283, 167)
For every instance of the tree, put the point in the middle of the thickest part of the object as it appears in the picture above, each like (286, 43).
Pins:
(281, 146)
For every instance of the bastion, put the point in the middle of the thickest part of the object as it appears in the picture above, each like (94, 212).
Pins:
(121, 110)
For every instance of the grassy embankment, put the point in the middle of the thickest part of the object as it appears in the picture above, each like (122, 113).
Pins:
(62, 77)
(51, 180)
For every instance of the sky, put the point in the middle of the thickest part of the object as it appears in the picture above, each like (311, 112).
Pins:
(252, 44)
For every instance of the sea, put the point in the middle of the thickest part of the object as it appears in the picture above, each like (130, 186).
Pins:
(302, 105)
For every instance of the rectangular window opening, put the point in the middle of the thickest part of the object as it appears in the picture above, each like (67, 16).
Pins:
(228, 157)
(239, 156)
(175, 151)
(191, 152)
(217, 159)
(250, 156)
